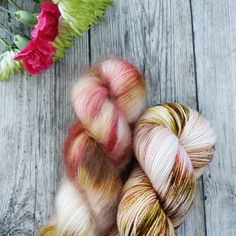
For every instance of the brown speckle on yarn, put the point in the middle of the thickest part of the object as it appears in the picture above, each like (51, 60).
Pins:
(172, 144)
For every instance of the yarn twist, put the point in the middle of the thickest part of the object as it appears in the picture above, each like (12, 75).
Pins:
(106, 101)
(173, 144)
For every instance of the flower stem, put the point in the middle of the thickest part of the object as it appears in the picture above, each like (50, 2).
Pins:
(14, 4)
(4, 42)
(6, 10)
(18, 31)
(6, 29)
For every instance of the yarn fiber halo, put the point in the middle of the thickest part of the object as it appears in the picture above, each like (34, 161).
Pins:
(173, 144)
(106, 101)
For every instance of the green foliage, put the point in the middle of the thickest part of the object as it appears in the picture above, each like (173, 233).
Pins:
(37, 1)
(8, 66)
(77, 16)
(82, 14)
(64, 40)
(26, 18)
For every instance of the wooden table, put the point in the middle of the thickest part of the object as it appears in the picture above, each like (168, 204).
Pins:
(186, 50)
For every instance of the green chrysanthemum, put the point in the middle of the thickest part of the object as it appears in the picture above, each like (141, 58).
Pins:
(82, 14)
(64, 40)
(8, 66)
(76, 16)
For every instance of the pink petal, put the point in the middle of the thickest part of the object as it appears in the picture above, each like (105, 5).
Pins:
(24, 53)
(28, 67)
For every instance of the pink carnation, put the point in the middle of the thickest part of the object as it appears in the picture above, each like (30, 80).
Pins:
(48, 20)
(37, 56)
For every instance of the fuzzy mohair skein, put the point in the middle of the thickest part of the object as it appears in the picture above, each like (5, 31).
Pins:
(106, 101)
(173, 144)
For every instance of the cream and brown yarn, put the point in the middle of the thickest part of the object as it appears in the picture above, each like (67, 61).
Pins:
(173, 144)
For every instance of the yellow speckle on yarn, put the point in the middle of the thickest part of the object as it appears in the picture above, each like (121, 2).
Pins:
(160, 115)
(48, 230)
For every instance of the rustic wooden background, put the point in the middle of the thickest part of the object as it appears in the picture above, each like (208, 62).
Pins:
(187, 51)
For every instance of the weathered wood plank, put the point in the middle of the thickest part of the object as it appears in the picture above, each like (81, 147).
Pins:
(215, 48)
(17, 183)
(157, 37)
(55, 116)
(35, 115)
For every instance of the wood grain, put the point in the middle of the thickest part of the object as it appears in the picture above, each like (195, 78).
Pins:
(35, 115)
(186, 50)
(157, 37)
(215, 49)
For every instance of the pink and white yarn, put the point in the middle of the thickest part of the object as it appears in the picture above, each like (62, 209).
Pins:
(171, 142)
(106, 101)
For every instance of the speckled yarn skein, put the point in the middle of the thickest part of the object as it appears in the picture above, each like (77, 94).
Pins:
(173, 144)
(106, 101)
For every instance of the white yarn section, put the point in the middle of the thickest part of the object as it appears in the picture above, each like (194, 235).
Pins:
(185, 160)
(197, 133)
(157, 148)
(72, 215)
(197, 138)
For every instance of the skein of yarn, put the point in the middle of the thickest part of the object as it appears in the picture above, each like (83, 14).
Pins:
(106, 101)
(173, 144)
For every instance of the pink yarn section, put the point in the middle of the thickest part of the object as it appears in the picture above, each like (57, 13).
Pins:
(106, 101)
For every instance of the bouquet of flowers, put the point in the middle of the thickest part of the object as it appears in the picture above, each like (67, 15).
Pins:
(53, 31)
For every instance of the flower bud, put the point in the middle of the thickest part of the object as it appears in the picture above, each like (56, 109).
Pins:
(20, 42)
(26, 18)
